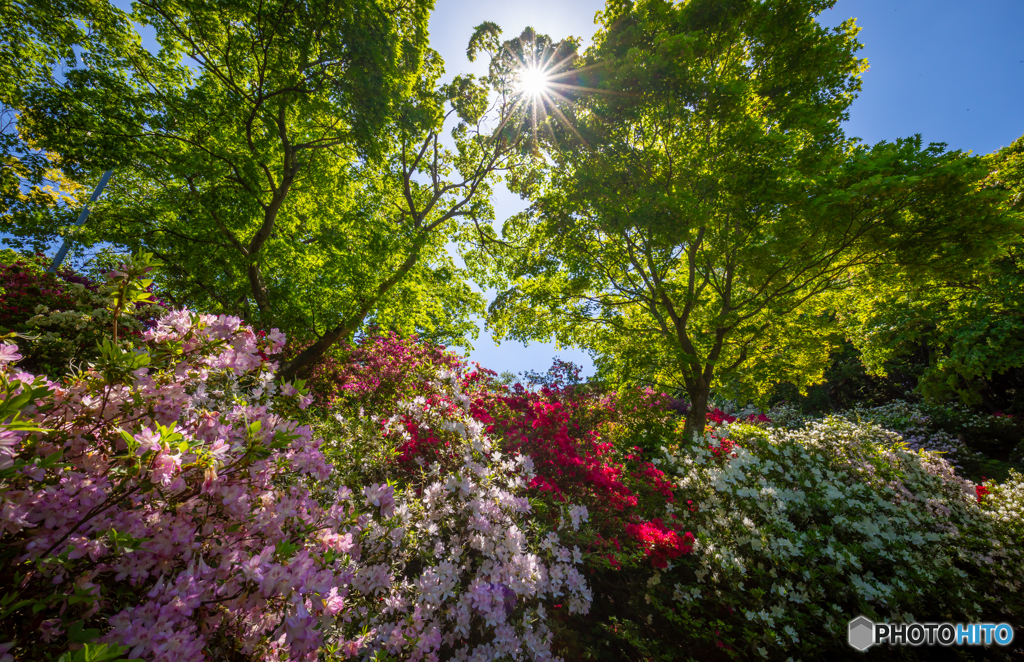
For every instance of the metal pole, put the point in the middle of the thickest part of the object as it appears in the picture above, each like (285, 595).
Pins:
(59, 257)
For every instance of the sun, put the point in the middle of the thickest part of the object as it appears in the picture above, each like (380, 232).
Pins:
(534, 81)
(542, 74)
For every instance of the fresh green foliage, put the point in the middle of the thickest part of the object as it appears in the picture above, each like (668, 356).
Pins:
(37, 40)
(128, 286)
(695, 237)
(284, 161)
(966, 322)
(91, 652)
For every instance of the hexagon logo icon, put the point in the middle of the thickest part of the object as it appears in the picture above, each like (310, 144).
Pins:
(861, 633)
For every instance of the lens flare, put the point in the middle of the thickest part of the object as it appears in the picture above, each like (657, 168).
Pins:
(544, 86)
(533, 81)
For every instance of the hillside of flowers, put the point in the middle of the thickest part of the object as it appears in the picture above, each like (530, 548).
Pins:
(165, 497)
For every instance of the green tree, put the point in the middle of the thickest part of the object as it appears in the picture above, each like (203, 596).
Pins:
(695, 232)
(968, 324)
(37, 39)
(283, 161)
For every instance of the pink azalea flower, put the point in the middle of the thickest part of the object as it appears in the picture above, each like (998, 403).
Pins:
(148, 441)
(334, 602)
(9, 353)
(165, 468)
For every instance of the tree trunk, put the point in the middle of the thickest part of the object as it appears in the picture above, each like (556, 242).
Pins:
(696, 418)
(312, 354)
(259, 292)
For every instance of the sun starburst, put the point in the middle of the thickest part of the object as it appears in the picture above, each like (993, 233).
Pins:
(533, 81)
(542, 75)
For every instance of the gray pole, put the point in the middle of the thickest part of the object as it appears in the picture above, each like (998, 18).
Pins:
(59, 257)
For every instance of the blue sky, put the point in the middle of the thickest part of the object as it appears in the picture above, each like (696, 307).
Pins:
(950, 70)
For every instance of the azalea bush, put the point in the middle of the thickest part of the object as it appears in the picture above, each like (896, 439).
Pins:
(173, 500)
(376, 371)
(464, 569)
(164, 503)
(157, 499)
(976, 444)
(584, 446)
(588, 456)
(62, 316)
(800, 530)
(591, 482)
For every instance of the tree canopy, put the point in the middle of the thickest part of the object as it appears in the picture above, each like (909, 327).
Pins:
(283, 160)
(698, 217)
(965, 323)
(36, 40)
(706, 204)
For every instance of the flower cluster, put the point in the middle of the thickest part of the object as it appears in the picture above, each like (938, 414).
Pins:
(963, 436)
(458, 565)
(798, 529)
(483, 572)
(376, 372)
(62, 315)
(174, 505)
(163, 497)
(24, 285)
(724, 414)
(581, 456)
(661, 543)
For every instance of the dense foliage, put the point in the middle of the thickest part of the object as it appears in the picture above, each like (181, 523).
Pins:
(963, 326)
(263, 151)
(717, 267)
(63, 316)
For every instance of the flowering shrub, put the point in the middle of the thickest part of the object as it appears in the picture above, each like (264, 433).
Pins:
(798, 531)
(461, 569)
(583, 450)
(589, 481)
(718, 417)
(464, 569)
(376, 372)
(164, 503)
(64, 316)
(158, 497)
(974, 444)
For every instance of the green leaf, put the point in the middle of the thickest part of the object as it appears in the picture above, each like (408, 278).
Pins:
(92, 652)
(78, 635)
(285, 549)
